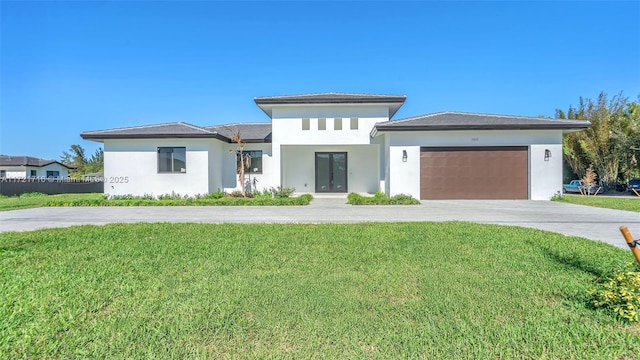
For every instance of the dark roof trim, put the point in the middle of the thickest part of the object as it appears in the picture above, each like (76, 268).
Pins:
(198, 133)
(168, 136)
(570, 126)
(29, 161)
(394, 102)
(330, 98)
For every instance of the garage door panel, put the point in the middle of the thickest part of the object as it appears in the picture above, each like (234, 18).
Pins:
(474, 173)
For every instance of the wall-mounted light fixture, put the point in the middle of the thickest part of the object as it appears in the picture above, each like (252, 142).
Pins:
(547, 154)
(404, 155)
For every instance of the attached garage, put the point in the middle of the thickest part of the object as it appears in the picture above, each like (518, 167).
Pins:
(497, 172)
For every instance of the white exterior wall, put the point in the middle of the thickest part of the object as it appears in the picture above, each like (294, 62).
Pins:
(545, 177)
(362, 167)
(295, 167)
(22, 172)
(229, 167)
(14, 172)
(131, 167)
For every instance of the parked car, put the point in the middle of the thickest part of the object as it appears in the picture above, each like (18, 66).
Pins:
(634, 185)
(575, 186)
(572, 187)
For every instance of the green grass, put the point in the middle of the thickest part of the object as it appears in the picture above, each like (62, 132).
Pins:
(31, 200)
(609, 202)
(38, 200)
(415, 290)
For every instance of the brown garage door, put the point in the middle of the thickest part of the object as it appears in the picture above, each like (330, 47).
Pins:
(474, 173)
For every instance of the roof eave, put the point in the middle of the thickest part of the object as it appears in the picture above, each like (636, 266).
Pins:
(86, 136)
(481, 127)
(223, 138)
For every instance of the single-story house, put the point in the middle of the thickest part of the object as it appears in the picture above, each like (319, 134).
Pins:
(27, 167)
(339, 143)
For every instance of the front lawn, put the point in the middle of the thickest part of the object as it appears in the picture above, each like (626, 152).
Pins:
(609, 202)
(31, 200)
(413, 290)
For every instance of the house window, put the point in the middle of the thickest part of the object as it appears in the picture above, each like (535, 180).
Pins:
(322, 124)
(3, 173)
(337, 124)
(305, 124)
(53, 174)
(354, 123)
(172, 160)
(33, 174)
(255, 157)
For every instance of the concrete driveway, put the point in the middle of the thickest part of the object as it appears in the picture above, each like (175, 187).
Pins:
(588, 222)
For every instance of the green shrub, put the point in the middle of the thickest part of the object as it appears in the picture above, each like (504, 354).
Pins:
(403, 199)
(213, 199)
(620, 293)
(172, 196)
(282, 192)
(380, 198)
(355, 199)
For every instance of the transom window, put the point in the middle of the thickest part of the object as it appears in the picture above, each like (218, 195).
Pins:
(172, 159)
(337, 124)
(255, 162)
(322, 124)
(354, 123)
(306, 124)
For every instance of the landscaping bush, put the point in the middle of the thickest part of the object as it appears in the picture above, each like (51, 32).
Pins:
(380, 198)
(282, 192)
(620, 293)
(213, 199)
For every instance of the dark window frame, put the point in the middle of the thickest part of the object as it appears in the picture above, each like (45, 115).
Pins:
(172, 160)
(254, 154)
(53, 174)
(33, 173)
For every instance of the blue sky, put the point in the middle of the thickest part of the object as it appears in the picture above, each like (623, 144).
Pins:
(68, 67)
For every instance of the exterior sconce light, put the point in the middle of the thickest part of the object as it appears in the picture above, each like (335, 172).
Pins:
(404, 155)
(547, 154)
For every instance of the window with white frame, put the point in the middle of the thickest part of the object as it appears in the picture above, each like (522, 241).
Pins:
(53, 174)
(172, 159)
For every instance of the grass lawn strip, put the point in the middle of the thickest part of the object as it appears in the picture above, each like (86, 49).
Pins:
(609, 202)
(39, 200)
(32, 200)
(426, 290)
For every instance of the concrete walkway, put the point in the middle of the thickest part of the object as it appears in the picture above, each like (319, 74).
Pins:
(588, 222)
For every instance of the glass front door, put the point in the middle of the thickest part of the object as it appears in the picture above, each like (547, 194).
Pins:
(331, 172)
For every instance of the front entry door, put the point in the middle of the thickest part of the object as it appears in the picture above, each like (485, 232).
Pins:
(331, 172)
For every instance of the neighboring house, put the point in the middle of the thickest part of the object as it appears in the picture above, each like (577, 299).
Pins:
(27, 167)
(339, 143)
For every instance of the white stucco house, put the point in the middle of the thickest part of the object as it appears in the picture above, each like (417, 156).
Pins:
(340, 143)
(27, 167)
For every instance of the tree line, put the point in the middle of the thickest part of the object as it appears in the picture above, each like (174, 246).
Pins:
(611, 143)
(77, 158)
